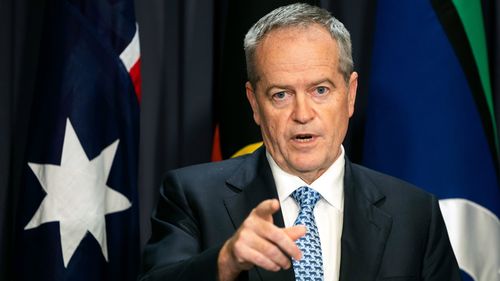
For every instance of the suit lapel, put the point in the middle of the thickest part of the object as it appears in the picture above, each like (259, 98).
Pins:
(365, 227)
(254, 183)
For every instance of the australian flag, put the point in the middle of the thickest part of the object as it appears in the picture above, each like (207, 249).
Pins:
(78, 216)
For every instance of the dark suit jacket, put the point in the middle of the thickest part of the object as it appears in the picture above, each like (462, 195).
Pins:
(391, 230)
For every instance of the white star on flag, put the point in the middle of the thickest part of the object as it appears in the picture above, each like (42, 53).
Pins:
(77, 194)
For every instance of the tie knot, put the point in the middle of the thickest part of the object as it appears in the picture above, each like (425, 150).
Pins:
(306, 196)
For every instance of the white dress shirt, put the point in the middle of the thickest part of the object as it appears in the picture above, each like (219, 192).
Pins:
(328, 212)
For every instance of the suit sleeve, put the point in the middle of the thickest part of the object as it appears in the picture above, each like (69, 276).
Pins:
(439, 261)
(173, 252)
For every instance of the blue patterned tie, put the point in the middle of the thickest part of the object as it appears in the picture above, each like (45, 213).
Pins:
(310, 266)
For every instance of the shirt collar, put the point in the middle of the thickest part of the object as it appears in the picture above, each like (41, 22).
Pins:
(329, 184)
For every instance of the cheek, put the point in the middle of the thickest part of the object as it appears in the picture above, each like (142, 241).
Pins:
(337, 121)
(274, 125)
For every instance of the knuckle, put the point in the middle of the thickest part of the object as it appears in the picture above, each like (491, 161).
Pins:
(244, 235)
(261, 261)
(250, 221)
(271, 251)
(247, 223)
(239, 254)
(277, 236)
(274, 234)
(239, 243)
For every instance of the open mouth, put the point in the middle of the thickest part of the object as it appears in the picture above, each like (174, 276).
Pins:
(303, 137)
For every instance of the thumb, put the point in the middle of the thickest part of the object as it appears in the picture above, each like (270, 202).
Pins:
(296, 231)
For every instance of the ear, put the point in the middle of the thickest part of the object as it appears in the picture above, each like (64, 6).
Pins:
(351, 95)
(252, 99)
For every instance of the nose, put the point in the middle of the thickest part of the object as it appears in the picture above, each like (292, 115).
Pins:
(303, 110)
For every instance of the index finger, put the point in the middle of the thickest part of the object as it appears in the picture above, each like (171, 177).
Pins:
(284, 238)
(267, 208)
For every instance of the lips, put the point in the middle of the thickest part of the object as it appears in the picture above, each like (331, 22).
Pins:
(303, 137)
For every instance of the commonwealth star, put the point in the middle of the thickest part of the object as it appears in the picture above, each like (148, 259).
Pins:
(77, 194)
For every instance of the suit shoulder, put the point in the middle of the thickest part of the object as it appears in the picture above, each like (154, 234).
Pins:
(408, 205)
(389, 184)
(207, 172)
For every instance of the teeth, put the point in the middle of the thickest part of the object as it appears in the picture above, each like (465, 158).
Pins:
(303, 138)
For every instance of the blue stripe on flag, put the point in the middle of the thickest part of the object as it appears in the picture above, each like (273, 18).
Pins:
(422, 121)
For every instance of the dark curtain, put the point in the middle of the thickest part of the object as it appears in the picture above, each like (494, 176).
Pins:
(177, 60)
(20, 29)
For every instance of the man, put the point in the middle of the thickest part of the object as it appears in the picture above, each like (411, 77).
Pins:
(245, 218)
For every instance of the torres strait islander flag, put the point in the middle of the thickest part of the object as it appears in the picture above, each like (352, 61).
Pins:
(431, 119)
(78, 213)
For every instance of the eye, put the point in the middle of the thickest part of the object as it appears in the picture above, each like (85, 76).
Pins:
(279, 96)
(321, 90)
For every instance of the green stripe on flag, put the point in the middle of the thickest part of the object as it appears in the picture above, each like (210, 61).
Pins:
(471, 14)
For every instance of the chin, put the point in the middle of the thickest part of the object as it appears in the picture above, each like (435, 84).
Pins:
(305, 165)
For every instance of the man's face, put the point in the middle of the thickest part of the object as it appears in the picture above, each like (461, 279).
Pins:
(301, 102)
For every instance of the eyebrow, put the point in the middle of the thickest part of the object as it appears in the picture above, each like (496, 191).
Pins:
(276, 86)
(309, 85)
(326, 80)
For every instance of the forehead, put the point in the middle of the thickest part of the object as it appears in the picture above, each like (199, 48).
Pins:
(306, 28)
(297, 50)
(313, 33)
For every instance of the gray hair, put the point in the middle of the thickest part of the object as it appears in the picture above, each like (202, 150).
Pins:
(298, 14)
